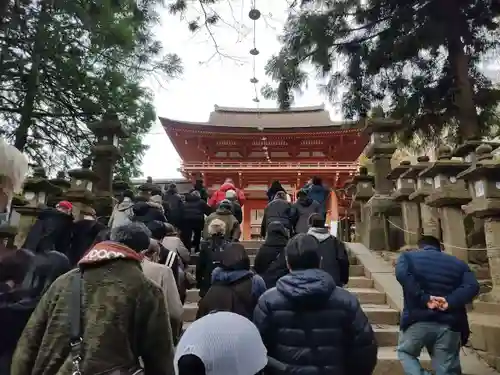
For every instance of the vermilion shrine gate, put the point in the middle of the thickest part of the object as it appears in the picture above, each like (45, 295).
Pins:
(256, 146)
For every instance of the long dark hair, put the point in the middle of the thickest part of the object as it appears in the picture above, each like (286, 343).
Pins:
(276, 186)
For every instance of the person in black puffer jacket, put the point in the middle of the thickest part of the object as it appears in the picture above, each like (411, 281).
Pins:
(278, 210)
(52, 230)
(193, 222)
(175, 212)
(309, 324)
(30, 281)
(270, 261)
(304, 207)
(146, 212)
(332, 251)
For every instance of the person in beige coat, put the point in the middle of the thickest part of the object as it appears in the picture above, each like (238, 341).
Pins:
(164, 277)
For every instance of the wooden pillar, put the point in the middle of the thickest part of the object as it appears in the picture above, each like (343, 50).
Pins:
(246, 225)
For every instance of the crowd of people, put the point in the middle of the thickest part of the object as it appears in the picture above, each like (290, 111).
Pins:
(112, 303)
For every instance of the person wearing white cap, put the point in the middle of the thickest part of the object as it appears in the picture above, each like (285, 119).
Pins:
(220, 343)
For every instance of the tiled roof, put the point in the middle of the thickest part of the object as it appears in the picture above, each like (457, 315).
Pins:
(270, 118)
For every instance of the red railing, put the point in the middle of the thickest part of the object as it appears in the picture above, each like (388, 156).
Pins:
(273, 165)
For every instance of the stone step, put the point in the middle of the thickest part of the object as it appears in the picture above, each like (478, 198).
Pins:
(360, 282)
(381, 314)
(252, 243)
(364, 295)
(356, 270)
(388, 362)
(377, 314)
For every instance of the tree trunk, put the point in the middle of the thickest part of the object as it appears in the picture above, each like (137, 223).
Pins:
(459, 62)
(32, 82)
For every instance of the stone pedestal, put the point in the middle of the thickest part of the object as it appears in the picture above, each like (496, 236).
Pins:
(485, 190)
(381, 205)
(106, 153)
(410, 210)
(448, 196)
(80, 192)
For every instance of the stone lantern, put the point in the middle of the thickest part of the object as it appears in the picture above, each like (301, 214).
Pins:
(405, 186)
(61, 182)
(36, 190)
(482, 180)
(80, 193)
(106, 152)
(363, 191)
(429, 215)
(466, 151)
(448, 195)
(381, 205)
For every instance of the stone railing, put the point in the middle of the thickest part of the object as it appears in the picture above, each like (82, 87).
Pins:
(455, 198)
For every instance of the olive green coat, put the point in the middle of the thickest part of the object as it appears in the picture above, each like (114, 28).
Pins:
(233, 230)
(125, 317)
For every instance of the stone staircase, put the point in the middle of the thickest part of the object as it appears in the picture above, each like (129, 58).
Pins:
(380, 307)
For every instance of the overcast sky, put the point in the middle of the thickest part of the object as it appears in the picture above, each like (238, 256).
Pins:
(221, 81)
(224, 82)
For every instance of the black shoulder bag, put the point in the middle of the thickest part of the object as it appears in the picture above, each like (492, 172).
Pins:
(76, 339)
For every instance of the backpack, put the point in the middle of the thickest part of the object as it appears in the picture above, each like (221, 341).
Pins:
(215, 253)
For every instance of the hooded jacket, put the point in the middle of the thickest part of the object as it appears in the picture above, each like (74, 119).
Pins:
(245, 289)
(146, 212)
(270, 261)
(52, 231)
(220, 195)
(278, 210)
(333, 255)
(195, 210)
(312, 327)
(122, 213)
(304, 208)
(133, 324)
(232, 225)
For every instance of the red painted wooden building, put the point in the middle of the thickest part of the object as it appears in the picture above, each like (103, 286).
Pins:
(256, 146)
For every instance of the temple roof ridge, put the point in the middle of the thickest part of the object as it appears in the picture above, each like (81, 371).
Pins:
(274, 110)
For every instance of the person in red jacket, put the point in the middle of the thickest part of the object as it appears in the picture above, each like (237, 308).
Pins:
(220, 194)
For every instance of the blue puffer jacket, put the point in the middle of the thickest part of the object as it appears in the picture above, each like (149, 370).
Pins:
(430, 272)
(317, 193)
(312, 327)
